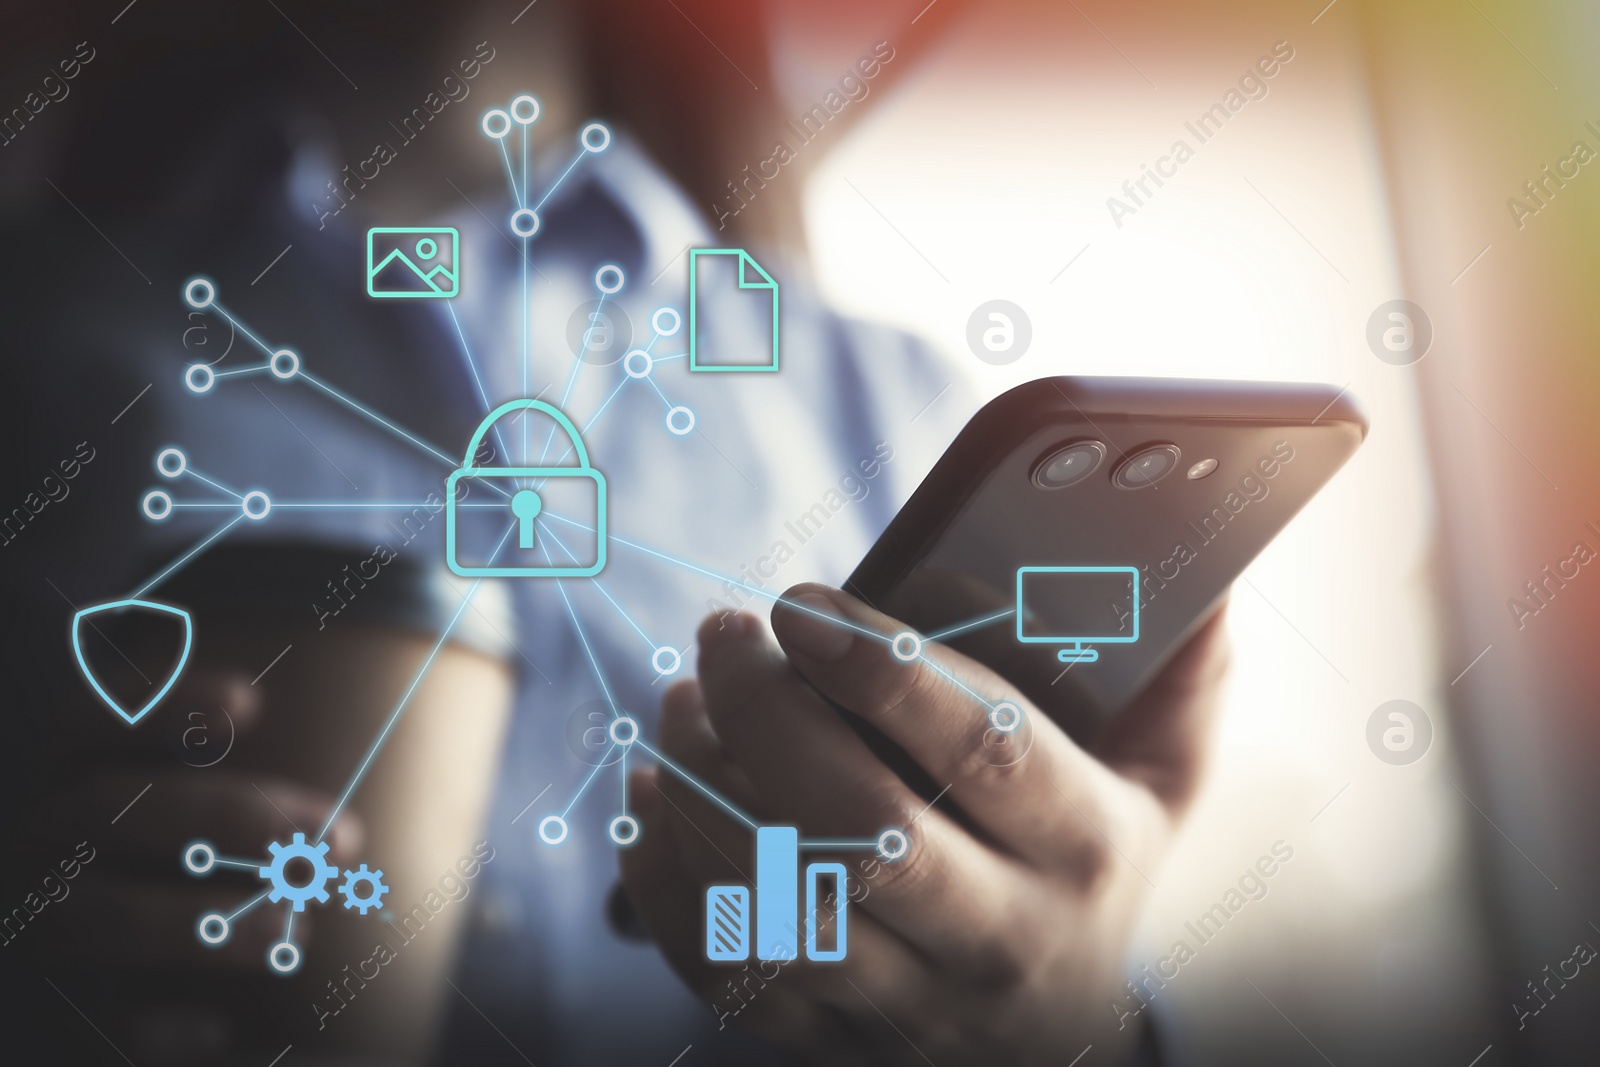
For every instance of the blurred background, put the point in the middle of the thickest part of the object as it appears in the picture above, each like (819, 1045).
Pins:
(1385, 159)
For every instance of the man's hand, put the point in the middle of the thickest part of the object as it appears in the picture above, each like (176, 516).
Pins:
(999, 936)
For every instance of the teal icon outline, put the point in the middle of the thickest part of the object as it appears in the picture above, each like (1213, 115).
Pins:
(1077, 650)
(436, 293)
(745, 260)
(533, 506)
(94, 683)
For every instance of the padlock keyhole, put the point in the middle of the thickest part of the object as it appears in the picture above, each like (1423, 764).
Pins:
(526, 505)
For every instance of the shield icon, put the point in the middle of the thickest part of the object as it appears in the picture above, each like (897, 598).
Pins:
(85, 614)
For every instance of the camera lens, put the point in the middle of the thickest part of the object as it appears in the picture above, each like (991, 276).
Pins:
(1068, 465)
(1146, 467)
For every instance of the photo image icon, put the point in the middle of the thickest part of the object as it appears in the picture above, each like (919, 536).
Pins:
(413, 262)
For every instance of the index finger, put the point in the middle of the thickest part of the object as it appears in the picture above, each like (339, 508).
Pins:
(1045, 800)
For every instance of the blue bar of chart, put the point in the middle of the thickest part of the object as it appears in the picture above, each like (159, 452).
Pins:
(777, 893)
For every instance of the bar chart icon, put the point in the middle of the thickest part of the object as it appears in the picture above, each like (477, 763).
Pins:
(771, 922)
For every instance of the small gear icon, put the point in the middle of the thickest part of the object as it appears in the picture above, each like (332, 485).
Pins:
(373, 880)
(321, 872)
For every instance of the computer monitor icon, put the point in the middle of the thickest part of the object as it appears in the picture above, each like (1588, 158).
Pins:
(1077, 607)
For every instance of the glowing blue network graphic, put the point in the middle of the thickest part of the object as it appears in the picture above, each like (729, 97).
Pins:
(517, 507)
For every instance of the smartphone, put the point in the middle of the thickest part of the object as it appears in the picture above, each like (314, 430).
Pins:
(1078, 530)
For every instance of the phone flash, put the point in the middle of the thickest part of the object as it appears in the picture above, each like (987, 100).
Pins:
(1201, 469)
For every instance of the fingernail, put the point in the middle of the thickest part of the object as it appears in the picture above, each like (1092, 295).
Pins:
(809, 626)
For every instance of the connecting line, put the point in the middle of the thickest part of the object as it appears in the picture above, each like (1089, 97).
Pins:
(572, 378)
(551, 191)
(288, 926)
(655, 336)
(394, 716)
(186, 557)
(625, 780)
(598, 767)
(375, 417)
(972, 625)
(246, 865)
(258, 368)
(596, 416)
(652, 380)
(870, 844)
(242, 328)
(596, 583)
(792, 604)
(706, 790)
(516, 192)
(215, 485)
(248, 905)
(754, 590)
(341, 504)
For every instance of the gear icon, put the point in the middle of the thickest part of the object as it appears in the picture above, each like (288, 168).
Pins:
(321, 872)
(373, 880)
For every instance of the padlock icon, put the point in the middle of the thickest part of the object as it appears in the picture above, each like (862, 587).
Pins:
(524, 504)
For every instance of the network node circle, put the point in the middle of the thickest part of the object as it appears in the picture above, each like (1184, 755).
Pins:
(256, 504)
(180, 462)
(666, 660)
(600, 132)
(199, 378)
(495, 116)
(213, 928)
(624, 829)
(285, 364)
(624, 731)
(533, 114)
(552, 829)
(893, 844)
(162, 500)
(1005, 716)
(284, 957)
(666, 331)
(640, 372)
(688, 420)
(199, 858)
(906, 647)
(601, 274)
(199, 293)
(524, 222)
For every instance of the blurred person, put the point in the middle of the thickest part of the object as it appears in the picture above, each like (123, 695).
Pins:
(215, 138)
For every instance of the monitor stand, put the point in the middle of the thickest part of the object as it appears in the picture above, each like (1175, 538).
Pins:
(1078, 654)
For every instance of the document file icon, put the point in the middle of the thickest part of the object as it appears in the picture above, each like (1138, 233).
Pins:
(733, 312)
(410, 262)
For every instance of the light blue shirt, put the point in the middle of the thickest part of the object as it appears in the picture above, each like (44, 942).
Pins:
(770, 488)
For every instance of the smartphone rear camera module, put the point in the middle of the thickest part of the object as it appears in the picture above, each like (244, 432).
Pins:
(1146, 467)
(1069, 465)
(1201, 469)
